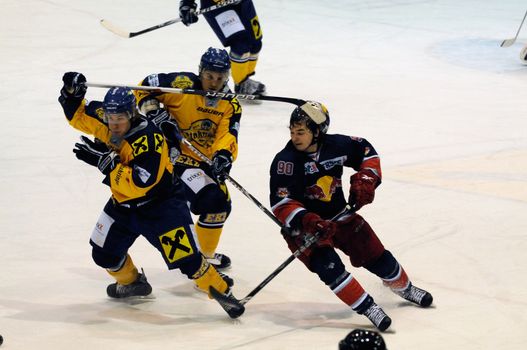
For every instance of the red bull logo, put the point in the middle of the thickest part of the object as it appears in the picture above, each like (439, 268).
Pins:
(324, 188)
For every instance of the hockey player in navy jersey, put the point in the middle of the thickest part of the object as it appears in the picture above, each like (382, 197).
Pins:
(306, 192)
(238, 27)
(133, 157)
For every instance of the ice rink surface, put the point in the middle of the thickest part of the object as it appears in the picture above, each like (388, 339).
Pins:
(425, 81)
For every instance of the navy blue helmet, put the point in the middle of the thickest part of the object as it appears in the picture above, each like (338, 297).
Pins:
(216, 60)
(119, 100)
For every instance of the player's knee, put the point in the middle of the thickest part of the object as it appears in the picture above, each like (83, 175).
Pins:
(211, 199)
(384, 265)
(105, 260)
(239, 44)
(326, 263)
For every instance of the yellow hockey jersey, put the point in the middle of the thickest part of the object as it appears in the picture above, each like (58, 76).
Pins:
(209, 127)
(144, 171)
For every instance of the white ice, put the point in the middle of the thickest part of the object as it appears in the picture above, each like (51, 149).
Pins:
(425, 81)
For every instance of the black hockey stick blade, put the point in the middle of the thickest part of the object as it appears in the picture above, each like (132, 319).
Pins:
(230, 304)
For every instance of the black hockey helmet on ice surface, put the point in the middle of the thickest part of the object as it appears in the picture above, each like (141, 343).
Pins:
(361, 339)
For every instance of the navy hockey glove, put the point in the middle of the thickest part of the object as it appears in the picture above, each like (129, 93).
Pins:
(96, 154)
(171, 132)
(187, 12)
(74, 85)
(158, 116)
(362, 188)
(221, 164)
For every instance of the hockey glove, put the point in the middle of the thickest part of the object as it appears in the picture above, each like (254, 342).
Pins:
(221, 164)
(187, 12)
(171, 132)
(312, 223)
(158, 116)
(362, 188)
(74, 85)
(97, 155)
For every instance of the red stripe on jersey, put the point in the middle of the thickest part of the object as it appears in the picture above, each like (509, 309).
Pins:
(283, 211)
(373, 163)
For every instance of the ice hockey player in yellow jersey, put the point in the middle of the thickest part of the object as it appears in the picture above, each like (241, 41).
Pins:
(211, 125)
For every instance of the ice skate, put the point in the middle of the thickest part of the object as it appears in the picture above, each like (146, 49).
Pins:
(140, 288)
(416, 295)
(378, 317)
(228, 302)
(220, 261)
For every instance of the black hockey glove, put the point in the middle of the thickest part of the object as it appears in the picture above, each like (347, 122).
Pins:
(171, 132)
(74, 85)
(158, 116)
(221, 164)
(187, 12)
(96, 154)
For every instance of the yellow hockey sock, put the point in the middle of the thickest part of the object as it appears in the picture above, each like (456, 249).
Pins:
(211, 277)
(127, 274)
(239, 71)
(208, 239)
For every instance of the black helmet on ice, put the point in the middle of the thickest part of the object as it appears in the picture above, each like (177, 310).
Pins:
(361, 339)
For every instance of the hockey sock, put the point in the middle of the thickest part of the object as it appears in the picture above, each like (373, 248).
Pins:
(398, 281)
(208, 239)
(207, 276)
(350, 291)
(126, 274)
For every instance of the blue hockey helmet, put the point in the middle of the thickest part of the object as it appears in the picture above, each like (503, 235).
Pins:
(314, 114)
(216, 60)
(119, 100)
(361, 339)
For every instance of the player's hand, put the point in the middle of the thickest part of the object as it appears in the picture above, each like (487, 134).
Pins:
(96, 154)
(74, 85)
(312, 223)
(221, 164)
(157, 116)
(362, 188)
(187, 12)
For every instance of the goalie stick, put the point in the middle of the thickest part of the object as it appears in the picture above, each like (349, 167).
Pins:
(509, 42)
(211, 94)
(124, 34)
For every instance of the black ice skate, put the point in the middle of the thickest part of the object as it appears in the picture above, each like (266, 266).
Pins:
(228, 302)
(250, 87)
(139, 288)
(416, 295)
(220, 261)
(378, 317)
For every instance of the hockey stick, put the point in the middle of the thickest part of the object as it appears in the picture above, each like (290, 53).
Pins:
(211, 94)
(122, 33)
(231, 180)
(309, 240)
(509, 42)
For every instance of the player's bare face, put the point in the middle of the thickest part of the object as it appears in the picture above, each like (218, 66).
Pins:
(302, 137)
(119, 124)
(213, 81)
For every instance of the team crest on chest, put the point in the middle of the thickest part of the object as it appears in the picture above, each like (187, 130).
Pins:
(310, 168)
(182, 82)
(202, 132)
(140, 145)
